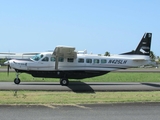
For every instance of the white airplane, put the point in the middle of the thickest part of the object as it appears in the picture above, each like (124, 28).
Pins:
(66, 63)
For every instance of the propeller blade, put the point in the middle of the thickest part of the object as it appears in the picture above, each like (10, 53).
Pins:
(8, 69)
(8, 66)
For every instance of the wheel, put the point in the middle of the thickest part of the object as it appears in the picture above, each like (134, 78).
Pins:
(17, 80)
(64, 82)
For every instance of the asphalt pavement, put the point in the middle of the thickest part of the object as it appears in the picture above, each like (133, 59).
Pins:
(132, 111)
(78, 86)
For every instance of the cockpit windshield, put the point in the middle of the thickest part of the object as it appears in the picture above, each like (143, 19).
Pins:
(37, 57)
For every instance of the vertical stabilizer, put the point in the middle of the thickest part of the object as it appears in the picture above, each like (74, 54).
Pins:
(144, 46)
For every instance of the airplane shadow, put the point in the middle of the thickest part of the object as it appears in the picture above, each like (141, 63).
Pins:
(151, 84)
(78, 87)
(75, 86)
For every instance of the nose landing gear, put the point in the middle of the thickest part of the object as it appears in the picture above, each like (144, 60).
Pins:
(17, 80)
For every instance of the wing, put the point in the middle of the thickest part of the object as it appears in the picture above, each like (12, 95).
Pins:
(65, 51)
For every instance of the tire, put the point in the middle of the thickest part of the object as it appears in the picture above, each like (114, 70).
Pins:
(64, 82)
(17, 80)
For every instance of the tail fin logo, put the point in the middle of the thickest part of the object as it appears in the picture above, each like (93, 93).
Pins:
(149, 35)
(144, 50)
(145, 44)
(144, 47)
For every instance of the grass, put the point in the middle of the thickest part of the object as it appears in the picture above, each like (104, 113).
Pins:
(68, 98)
(127, 77)
(110, 77)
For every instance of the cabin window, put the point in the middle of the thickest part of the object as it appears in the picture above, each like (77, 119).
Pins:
(60, 59)
(53, 59)
(81, 60)
(37, 57)
(45, 59)
(103, 61)
(70, 60)
(88, 60)
(96, 60)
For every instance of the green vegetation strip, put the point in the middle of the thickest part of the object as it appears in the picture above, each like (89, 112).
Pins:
(110, 77)
(68, 98)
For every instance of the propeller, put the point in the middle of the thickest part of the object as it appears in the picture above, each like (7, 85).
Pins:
(8, 66)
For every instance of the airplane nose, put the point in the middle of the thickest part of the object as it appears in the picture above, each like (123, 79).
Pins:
(7, 62)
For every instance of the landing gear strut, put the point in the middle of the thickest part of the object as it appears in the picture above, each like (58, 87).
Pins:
(17, 80)
(64, 81)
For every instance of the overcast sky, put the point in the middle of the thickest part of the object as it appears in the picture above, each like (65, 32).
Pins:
(96, 25)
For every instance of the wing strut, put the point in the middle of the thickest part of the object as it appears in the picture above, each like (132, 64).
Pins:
(63, 52)
(56, 63)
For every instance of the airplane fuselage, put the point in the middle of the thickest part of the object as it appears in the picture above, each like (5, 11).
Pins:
(84, 66)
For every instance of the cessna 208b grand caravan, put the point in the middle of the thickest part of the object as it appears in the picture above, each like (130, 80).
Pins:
(65, 63)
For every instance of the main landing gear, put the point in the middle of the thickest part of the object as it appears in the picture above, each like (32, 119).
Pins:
(17, 80)
(64, 81)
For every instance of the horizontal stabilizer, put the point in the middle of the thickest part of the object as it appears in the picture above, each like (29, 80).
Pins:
(139, 59)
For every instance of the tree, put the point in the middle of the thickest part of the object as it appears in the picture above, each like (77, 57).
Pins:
(107, 54)
(2, 61)
(158, 59)
(152, 55)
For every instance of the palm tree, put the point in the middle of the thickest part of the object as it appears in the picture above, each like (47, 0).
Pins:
(107, 54)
